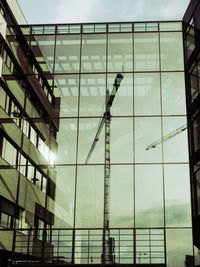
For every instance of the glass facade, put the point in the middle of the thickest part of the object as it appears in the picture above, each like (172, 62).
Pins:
(55, 87)
(149, 188)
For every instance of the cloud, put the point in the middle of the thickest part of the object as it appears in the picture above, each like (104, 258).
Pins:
(74, 11)
(68, 11)
(97, 10)
(174, 9)
(77, 11)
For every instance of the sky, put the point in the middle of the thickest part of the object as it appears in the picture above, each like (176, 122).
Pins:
(82, 11)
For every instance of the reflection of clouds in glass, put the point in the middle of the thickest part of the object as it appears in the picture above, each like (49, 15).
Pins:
(147, 130)
(178, 215)
(89, 203)
(150, 218)
(149, 195)
(179, 244)
(122, 221)
(65, 186)
(67, 142)
(177, 194)
(63, 218)
(121, 196)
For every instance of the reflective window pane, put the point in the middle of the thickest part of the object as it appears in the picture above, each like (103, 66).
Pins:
(89, 209)
(92, 94)
(121, 196)
(42, 47)
(146, 52)
(179, 244)
(121, 140)
(171, 47)
(147, 131)
(120, 56)
(66, 138)
(93, 57)
(67, 59)
(177, 195)
(173, 93)
(65, 192)
(148, 201)
(175, 146)
(123, 101)
(170, 26)
(147, 94)
(68, 87)
(87, 131)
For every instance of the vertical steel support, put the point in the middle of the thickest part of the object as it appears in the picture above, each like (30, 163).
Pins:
(134, 246)
(73, 246)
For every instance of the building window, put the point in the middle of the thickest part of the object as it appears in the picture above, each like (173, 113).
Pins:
(43, 230)
(1, 143)
(5, 220)
(20, 223)
(40, 145)
(2, 11)
(9, 153)
(196, 136)
(2, 98)
(38, 179)
(39, 225)
(194, 87)
(22, 165)
(48, 233)
(45, 91)
(30, 172)
(33, 136)
(197, 193)
(190, 39)
(8, 61)
(44, 184)
(26, 128)
(27, 169)
(15, 113)
(51, 187)
(7, 107)
(10, 107)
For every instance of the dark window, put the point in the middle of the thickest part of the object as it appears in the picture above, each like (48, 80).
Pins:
(196, 136)
(6, 220)
(51, 189)
(1, 143)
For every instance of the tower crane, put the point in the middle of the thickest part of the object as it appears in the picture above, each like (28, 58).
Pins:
(167, 137)
(108, 255)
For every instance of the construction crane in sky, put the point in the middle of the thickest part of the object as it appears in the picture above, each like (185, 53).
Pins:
(167, 137)
(108, 255)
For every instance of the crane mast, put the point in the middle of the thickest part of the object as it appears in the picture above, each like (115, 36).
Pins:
(108, 242)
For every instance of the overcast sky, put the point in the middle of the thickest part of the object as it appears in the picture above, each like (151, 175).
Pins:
(72, 11)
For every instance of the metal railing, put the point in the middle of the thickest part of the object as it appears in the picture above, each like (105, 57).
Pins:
(84, 246)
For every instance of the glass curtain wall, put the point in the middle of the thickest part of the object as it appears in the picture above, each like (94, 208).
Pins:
(149, 179)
